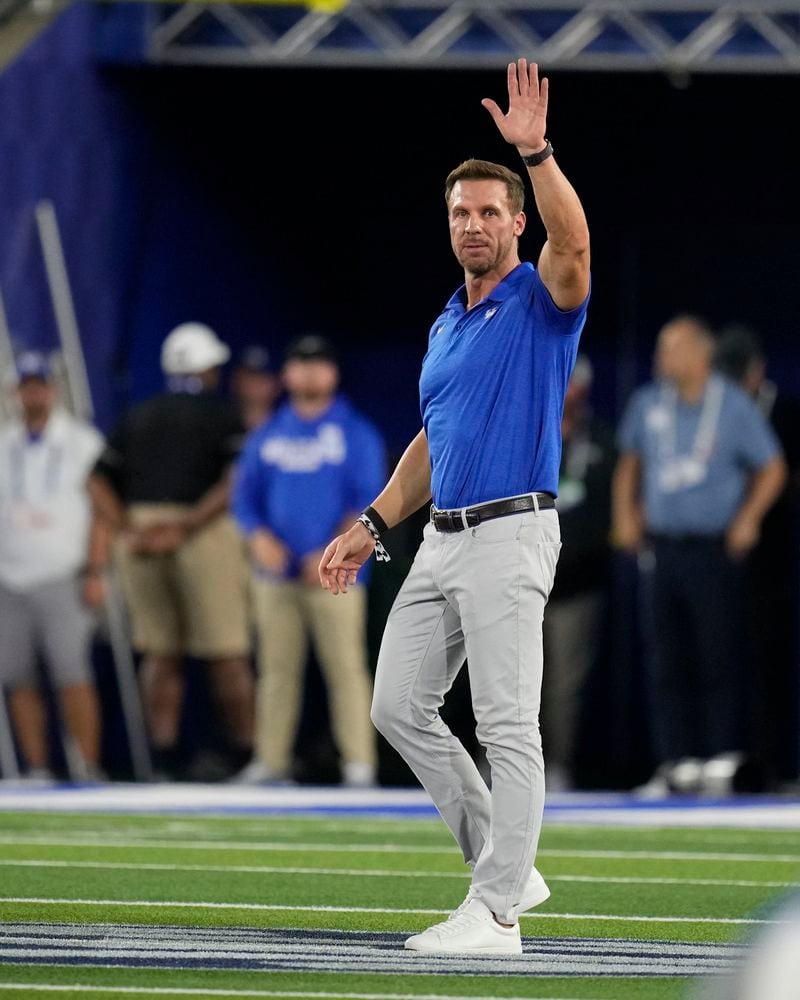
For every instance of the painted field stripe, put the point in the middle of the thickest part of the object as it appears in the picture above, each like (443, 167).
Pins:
(267, 846)
(242, 869)
(278, 907)
(187, 991)
(384, 873)
(229, 845)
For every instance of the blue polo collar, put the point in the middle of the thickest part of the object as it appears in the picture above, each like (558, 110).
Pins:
(501, 291)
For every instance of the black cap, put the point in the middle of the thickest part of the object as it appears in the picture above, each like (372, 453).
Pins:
(737, 345)
(311, 347)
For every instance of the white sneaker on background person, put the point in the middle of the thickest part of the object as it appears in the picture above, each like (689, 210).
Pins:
(356, 774)
(657, 785)
(471, 930)
(258, 773)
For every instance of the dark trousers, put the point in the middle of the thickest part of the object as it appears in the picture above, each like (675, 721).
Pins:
(694, 647)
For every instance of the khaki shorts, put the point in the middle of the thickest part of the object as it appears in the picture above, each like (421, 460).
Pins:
(194, 601)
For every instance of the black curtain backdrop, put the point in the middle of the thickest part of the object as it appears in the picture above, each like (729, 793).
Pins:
(320, 192)
(332, 182)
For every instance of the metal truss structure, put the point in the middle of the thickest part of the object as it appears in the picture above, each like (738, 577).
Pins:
(678, 37)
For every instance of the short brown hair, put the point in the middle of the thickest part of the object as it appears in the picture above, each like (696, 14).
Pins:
(485, 170)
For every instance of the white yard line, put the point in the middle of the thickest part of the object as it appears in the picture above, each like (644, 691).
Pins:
(277, 907)
(187, 991)
(229, 845)
(383, 873)
(306, 848)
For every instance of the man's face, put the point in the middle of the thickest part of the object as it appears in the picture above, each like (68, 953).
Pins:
(482, 228)
(36, 397)
(679, 353)
(313, 379)
(250, 384)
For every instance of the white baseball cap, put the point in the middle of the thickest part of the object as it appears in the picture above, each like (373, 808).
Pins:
(192, 348)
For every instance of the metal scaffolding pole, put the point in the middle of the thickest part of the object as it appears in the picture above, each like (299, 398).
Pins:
(81, 402)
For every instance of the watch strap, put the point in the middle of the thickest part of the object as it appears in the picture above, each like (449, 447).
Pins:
(534, 159)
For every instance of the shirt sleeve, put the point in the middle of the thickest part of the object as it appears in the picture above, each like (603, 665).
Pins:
(366, 474)
(92, 445)
(568, 322)
(112, 458)
(249, 487)
(757, 442)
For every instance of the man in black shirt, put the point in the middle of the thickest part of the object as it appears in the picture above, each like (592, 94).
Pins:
(163, 483)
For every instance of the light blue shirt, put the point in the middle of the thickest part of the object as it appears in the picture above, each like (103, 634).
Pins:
(696, 458)
(492, 391)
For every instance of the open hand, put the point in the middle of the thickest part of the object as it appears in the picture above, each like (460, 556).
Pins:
(525, 123)
(344, 557)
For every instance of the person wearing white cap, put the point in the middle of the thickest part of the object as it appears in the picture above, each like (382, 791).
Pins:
(163, 484)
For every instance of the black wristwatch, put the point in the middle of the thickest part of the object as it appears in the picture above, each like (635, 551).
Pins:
(534, 159)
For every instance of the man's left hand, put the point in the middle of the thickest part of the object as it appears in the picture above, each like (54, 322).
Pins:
(742, 536)
(161, 539)
(94, 589)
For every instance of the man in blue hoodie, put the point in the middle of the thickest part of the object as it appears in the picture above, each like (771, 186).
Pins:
(303, 475)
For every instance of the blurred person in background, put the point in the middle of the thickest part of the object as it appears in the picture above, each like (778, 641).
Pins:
(575, 609)
(163, 484)
(52, 560)
(254, 386)
(769, 968)
(302, 476)
(699, 468)
(772, 574)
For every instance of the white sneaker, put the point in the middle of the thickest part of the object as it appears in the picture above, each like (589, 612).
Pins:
(356, 774)
(534, 893)
(470, 930)
(258, 773)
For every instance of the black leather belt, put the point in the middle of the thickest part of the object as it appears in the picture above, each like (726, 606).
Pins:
(457, 520)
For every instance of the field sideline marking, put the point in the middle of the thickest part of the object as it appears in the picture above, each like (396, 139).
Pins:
(387, 849)
(279, 907)
(384, 873)
(186, 991)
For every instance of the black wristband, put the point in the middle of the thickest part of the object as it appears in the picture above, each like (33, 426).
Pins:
(376, 519)
(534, 159)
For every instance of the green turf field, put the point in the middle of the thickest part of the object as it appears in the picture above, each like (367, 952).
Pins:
(218, 877)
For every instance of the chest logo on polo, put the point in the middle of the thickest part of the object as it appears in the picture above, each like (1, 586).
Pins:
(491, 312)
(306, 454)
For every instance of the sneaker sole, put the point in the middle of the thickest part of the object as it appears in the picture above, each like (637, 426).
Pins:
(499, 950)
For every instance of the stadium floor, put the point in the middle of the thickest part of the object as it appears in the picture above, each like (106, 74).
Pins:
(218, 891)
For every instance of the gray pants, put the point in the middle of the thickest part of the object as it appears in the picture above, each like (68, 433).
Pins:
(477, 595)
(50, 620)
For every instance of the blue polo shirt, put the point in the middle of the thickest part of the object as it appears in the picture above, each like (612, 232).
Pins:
(298, 478)
(661, 429)
(492, 391)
